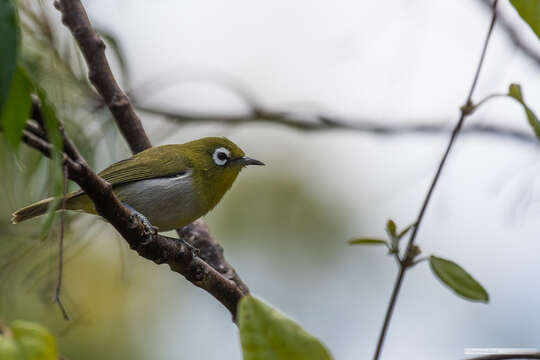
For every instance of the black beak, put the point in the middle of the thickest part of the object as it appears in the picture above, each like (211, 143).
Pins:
(245, 161)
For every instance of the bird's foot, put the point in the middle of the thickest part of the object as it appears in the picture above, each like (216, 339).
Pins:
(149, 229)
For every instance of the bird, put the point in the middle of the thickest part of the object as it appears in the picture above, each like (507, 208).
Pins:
(167, 186)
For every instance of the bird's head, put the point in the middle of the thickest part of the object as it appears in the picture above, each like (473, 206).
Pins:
(216, 163)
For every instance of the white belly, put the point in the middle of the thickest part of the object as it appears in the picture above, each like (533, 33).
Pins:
(168, 203)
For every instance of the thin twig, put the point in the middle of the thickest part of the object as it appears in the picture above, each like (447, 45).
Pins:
(488, 98)
(258, 113)
(320, 123)
(37, 143)
(412, 238)
(61, 244)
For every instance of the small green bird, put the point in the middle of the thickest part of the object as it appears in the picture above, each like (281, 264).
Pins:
(166, 186)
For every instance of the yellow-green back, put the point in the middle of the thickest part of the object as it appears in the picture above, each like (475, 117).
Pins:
(208, 167)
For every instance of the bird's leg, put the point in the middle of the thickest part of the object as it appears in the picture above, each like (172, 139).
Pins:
(149, 229)
(193, 249)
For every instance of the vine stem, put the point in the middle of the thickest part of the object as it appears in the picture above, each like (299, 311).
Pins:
(465, 111)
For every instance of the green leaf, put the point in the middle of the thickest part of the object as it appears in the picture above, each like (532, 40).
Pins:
(9, 349)
(457, 279)
(529, 10)
(514, 91)
(16, 108)
(9, 46)
(367, 241)
(34, 341)
(266, 334)
(391, 228)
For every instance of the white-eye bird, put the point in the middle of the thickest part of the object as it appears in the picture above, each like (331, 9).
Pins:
(166, 186)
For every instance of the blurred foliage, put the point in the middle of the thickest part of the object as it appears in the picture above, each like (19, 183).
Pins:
(24, 340)
(9, 46)
(294, 210)
(28, 259)
(16, 108)
(529, 10)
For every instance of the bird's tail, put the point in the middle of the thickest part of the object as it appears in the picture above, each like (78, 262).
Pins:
(74, 201)
(31, 211)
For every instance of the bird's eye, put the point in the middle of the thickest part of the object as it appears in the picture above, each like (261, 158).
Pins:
(221, 156)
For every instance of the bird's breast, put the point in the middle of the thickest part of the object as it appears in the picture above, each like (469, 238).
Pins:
(168, 202)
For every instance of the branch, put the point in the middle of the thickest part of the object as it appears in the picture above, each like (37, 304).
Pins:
(329, 123)
(160, 249)
(198, 235)
(100, 74)
(218, 278)
(410, 251)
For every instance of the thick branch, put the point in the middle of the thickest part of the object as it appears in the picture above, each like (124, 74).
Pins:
(227, 288)
(100, 74)
(160, 249)
(198, 235)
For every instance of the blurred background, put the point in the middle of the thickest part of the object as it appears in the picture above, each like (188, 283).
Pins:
(284, 227)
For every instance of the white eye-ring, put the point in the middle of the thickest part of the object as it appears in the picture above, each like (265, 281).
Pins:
(221, 156)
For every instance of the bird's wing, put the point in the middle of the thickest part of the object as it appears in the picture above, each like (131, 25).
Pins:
(139, 166)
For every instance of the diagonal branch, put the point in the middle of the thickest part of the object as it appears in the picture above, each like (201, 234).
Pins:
(100, 74)
(160, 249)
(411, 247)
(218, 278)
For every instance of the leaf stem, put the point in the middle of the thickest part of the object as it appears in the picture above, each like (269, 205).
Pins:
(487, 98)
(405, 265)
(419, 260)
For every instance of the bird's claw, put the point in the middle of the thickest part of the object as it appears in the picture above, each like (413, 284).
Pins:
(149, 229)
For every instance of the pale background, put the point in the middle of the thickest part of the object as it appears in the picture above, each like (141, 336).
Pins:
(285, 226)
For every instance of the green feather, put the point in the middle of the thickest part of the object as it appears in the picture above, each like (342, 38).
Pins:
(161, 161)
